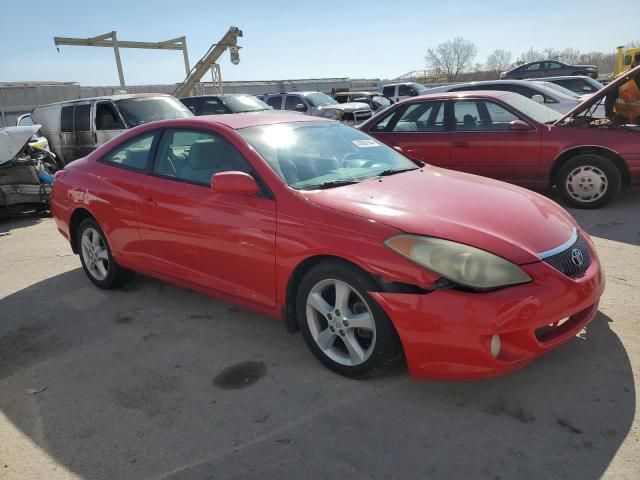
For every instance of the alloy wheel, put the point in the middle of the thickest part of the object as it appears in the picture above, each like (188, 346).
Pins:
(95, 254)
(341, 323)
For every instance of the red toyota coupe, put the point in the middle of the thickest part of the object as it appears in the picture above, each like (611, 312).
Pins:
(509, 137)
(371, 255)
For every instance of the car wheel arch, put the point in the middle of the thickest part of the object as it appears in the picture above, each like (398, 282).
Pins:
(300, 270)
(611, 155)
(78, 215)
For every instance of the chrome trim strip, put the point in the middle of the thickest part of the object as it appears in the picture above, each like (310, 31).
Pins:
(560, 248)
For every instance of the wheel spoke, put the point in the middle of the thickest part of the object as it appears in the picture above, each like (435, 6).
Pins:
(95, 238)
(343, 292)
(101, 268)
(319, 304)
(361, 320)
(353, 347)
(326, 339)
(86, 243)
(102, 254)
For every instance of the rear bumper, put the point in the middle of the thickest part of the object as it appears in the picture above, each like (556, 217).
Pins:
(447, 334)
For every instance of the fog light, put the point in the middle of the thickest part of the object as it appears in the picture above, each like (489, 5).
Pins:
(496, 345)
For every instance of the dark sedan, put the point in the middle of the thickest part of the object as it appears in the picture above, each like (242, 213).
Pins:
(548, 68)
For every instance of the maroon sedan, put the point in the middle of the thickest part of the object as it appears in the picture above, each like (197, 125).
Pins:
(509, 137)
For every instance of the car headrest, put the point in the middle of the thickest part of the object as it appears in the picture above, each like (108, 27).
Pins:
(202, 154)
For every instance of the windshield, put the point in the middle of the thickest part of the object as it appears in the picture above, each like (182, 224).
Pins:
(381, 101)
(319, 99)
(244, 103)
(310, 155)
(538, 112)
(137, 111)
(559, 88)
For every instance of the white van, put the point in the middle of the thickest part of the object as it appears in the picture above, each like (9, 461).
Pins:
(400, 91)
(75, 128)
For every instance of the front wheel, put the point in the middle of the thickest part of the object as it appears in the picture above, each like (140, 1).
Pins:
(589, 181)
(342, 325)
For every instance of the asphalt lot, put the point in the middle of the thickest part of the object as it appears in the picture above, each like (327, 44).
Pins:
(156, 381)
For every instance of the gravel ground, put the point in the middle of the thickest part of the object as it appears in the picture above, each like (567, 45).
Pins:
(155, 381)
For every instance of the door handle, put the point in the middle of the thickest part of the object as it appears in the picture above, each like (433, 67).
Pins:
(459, 144)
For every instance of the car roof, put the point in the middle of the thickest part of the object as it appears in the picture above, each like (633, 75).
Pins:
(397, 83)
(466, 93)
(359, 92)
(306, 92)
(490, 82)
(562, 77)
(218, 95)
(237, 121)
(123, 96)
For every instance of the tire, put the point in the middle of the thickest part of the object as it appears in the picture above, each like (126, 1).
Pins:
(110, 275)
(599, 184)
(380, 347)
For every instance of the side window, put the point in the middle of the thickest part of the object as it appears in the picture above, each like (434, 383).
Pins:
(385, 123)
(107, 118)
(82, 118)
(193, 104)
(275, 102)
(466, 115)
(293, 101)
(389, 91)
(194, 156)
(534, 67)
(404, 90)
(213, 106)
(133, 154)
(552, 66)
(26, 121)
(421, 117)
(498, 118)
(66, 119)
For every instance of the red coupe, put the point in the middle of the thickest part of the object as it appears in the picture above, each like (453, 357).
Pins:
(373, 256)
(509, 137)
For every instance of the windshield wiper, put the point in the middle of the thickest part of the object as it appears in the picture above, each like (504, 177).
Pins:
(391, 171)
(331, 184)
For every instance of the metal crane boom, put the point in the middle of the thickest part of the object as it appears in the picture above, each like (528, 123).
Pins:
(230, 39)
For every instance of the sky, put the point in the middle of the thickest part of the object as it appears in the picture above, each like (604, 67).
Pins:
(289, 40)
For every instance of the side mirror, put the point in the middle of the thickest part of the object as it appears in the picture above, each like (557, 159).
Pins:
(301, 107)
(519, 126)
(238, 183)
(538, 98)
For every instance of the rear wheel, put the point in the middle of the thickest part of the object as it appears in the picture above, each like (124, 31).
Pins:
(589, 181)
(342, 325)
(96, 258)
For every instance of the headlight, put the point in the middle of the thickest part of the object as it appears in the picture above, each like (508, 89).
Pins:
(459, 263)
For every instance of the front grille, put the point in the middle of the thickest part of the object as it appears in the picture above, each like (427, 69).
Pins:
(566, 261)
(361, 115)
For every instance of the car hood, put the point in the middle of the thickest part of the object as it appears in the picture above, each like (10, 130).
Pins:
(509, 221)
(14, 139)
(600, 94)
(347, 107)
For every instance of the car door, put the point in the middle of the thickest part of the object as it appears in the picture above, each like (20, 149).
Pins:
(296, 103)
(222, 242)
(554, 69)
(417, 129)
(114, 199)
(108, 122)
(483, 142)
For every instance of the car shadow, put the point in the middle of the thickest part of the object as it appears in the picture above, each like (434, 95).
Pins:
(156, 381)
(21, 220)
(617, 221)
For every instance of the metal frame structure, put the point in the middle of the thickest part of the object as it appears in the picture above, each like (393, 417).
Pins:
(110, 40)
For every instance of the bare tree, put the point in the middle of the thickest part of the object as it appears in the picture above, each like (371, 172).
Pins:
(570, 56)
(499, 61)
(530, 55)
(452, 57)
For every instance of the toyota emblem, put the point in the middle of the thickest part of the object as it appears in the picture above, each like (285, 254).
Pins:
(576, 257)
